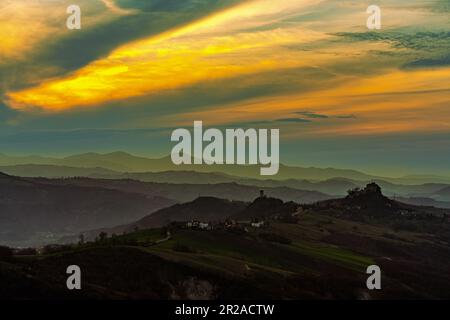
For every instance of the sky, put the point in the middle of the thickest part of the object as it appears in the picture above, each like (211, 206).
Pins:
(341, 95)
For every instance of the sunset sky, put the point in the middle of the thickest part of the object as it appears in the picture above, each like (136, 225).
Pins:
(342, 95)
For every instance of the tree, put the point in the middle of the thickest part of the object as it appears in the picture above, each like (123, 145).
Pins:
(81, 239)
(5, 253)
(354, 191)
(102, 236)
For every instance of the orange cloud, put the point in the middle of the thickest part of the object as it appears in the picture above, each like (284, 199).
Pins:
(208, 49)
(398, 101)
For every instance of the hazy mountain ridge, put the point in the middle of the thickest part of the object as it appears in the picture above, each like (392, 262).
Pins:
(443, 194)
(188, 192)
(35, 210)
(124, 162)
(429, 192)
(32, 211)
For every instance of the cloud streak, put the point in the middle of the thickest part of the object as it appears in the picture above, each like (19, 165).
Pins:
(208, 48)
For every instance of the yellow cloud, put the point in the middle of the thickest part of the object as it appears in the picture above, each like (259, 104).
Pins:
(23, 24)
(26, 24)
(208, 49)
(222, 47)
(398, 101)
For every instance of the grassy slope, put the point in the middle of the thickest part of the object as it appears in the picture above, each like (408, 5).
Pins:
(326, 259)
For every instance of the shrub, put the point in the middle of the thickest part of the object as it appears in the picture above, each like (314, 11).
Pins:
(411, 226)
(179, 247)
(273, 237)
(5, 253)
(26, 252)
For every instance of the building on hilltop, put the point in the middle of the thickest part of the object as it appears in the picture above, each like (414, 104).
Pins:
(370, 189)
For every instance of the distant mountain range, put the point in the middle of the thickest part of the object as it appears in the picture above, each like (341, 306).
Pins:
(124, 162)
(188, 192)
(427, 192)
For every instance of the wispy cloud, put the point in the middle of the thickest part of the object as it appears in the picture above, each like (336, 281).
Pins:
(313, 115)
(293, 120)
(209, 48)
(111, 5)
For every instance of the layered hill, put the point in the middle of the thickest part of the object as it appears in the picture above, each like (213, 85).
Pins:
(367, 204)
(321, 255)
(33, 212)
(423, 193)
(184, 192)
(124, 162)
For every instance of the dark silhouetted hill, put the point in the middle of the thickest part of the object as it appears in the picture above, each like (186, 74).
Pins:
(34, 212)
(264, 207)
(203, 209)
(369, 202)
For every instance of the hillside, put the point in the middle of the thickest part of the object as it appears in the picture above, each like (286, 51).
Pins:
(33, 212)
(264, 207)
(443, 194)
(318, 256)
(421, 201)
(203, 209)
(368, 205)
(53, 171)
(207, 209)
(189, 192)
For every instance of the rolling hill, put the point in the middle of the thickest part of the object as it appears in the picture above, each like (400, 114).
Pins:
(54, 171)
(443, 194)
(189, 192)
(40, 210)
(33, 212)
(368, 205)
(203, 209)
(321, 255)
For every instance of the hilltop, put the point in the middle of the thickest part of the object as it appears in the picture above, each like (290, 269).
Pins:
(368, 205)
(369, 202)
(203, 208)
